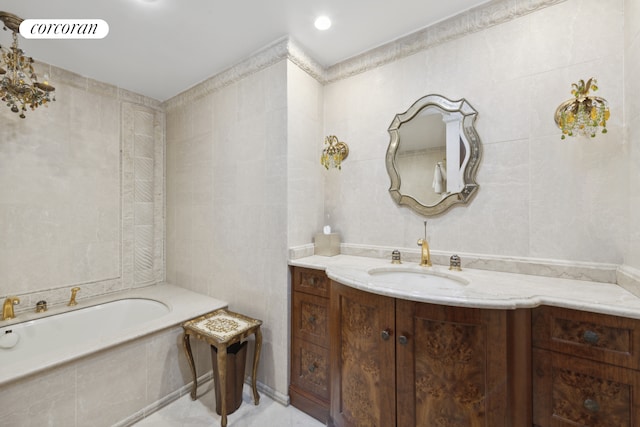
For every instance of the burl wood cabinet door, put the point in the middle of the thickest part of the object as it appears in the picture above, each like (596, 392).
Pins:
(362, 358)
(571, 391)
(451, 366)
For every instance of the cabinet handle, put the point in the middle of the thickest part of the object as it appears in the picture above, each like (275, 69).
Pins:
(591, 337)
(403, 340)
(312, 367)
(312, 319)
(591, 405)
(386, 334)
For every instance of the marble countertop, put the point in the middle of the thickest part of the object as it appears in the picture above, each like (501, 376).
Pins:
(477, 288)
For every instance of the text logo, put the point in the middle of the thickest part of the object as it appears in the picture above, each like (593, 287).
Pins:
(64, 29)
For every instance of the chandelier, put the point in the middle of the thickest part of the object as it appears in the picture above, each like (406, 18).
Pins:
(19, 85)
(584, 115)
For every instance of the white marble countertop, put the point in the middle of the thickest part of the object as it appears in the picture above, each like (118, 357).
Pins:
(477, 288)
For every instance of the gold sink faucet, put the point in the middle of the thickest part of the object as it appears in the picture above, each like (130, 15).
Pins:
(73, 301)
(7, 308)
(425, 258)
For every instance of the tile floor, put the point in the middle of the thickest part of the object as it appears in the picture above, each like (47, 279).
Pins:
(185, 412)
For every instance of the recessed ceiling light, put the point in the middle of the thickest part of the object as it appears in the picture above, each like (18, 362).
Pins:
(323, 23)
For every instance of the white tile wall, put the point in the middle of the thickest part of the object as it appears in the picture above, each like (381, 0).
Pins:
(105, 388)
(67, 193)
(539, 196)
(227, 202)
(632, 112)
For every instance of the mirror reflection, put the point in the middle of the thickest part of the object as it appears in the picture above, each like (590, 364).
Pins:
(433, 155)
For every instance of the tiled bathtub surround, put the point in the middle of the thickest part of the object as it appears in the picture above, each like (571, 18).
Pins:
(113, 380)
(82, 193)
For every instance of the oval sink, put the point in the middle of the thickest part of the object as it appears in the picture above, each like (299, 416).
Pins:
(415, 277)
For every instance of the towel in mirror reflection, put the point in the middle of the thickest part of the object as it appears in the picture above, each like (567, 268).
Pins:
(439, 179)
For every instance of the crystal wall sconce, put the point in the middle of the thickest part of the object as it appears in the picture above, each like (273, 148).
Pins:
(584, 115)
(334, 153)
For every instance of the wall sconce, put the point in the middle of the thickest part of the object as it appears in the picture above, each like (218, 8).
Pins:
(584, 115)
(334, 153)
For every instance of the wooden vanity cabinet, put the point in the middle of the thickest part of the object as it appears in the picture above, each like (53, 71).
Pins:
(363, 374)
(451, 366)
(402, 363)
(309, 385)
(586, 369)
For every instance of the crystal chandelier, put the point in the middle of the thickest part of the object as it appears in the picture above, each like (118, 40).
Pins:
(585, 114)
(19, 86)
(334, 153)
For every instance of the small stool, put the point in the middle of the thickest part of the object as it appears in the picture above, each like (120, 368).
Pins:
(220, 329)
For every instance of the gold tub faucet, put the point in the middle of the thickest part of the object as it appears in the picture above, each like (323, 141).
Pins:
(73, 301)
(425, 257)
(41, 306)
(7, 307)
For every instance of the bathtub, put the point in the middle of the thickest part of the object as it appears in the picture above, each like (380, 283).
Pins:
(65, 331)
(124, 349)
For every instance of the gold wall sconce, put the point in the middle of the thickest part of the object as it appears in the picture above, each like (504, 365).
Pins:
(19, 85)
(584, 115)
(334, 153)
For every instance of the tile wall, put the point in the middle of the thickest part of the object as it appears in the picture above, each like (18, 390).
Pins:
(632, 121)
(114, 387)
(241, 189)
(539, 196)
(81, 193)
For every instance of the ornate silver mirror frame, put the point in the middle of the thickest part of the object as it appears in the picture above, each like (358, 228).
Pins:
(462, 148)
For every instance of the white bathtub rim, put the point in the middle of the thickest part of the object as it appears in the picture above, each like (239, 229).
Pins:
(182, 303)
(25, 318)
(97, 339)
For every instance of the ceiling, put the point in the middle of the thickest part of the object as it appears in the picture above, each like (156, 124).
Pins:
(160, 48)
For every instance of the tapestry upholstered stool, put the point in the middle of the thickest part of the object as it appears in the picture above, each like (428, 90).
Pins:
(221, 329)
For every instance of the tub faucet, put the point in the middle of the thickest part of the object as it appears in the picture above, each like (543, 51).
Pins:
(73, 301)
(7, 307)
(41, 306)
(425, 257)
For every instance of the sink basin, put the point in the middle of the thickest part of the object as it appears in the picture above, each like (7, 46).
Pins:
(418, 277)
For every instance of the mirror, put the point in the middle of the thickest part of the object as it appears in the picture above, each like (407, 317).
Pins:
(433, 155)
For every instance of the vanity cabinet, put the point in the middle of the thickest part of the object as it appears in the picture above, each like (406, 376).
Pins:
(402, 363)
(586, 369)
(362, 358)
(309, 385)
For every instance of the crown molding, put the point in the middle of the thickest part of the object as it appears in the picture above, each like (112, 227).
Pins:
(474, 20)
(487, 15)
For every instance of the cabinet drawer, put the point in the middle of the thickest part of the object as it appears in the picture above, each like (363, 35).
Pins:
(311, 281)
(310, 318)
(570, 391)
(310, 368)
(599, 337)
